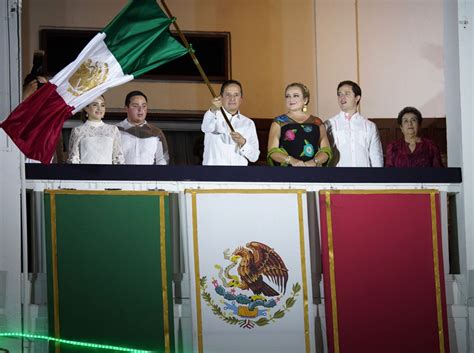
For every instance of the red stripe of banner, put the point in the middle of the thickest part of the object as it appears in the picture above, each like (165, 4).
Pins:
(384, 279)
(35, 125)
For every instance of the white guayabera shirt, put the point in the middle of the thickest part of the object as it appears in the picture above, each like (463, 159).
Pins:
(220, 149)
(357, 141)
(95, 142)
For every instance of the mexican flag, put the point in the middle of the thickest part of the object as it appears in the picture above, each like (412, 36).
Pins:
(136, 41)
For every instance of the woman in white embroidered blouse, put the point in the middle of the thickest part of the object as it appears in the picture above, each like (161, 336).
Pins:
(95, 142)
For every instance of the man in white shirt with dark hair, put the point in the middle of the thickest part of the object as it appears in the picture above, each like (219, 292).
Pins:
(355, 139)
(221, 145)
(142, 143)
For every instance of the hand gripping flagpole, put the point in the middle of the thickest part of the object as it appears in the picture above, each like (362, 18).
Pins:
(195, 60)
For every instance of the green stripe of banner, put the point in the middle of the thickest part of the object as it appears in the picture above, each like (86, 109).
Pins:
(110, 280)
(139, 38)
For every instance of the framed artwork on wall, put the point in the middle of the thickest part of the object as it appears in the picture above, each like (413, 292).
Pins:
(213, 50)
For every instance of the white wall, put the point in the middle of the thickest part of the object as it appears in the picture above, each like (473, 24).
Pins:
(466, 45)
(458, 47)
(394, 48)
(10, 235)
(466, 57)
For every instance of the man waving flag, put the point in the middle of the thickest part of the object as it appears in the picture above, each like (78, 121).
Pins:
(136, 41)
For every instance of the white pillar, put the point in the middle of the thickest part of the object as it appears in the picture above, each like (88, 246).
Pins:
(10, 230)
(459, 76)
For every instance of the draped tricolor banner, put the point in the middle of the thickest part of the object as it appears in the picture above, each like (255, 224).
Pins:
(383, 271)
(136, 41)
(109, 269)
(250, 271)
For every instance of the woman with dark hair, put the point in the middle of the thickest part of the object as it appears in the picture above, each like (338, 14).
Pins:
(95, 142)
(412, 150)
(297, 138)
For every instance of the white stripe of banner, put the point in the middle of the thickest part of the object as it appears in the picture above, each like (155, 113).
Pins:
(227, 228)
(94, 71)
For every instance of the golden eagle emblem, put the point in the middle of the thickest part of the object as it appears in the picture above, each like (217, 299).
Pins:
(87, 76)
(260, 271)
(255, 261)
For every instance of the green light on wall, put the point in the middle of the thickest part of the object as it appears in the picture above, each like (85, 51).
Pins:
(72, 343)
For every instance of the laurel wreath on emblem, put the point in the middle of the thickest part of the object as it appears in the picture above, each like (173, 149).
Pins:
(255, 262)
(247, 323)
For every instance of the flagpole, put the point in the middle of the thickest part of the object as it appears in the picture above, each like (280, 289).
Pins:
(196, 61)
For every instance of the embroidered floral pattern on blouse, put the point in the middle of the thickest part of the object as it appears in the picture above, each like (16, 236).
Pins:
(308, 149)
(299, 140)
(290, 135)
(282, 119)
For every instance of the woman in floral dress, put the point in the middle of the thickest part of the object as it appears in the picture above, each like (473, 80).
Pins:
(296, 138)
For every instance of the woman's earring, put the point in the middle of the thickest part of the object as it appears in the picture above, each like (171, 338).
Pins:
(305, 108)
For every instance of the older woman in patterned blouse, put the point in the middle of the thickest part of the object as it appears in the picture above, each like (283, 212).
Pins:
(412, 150)
(95, 142)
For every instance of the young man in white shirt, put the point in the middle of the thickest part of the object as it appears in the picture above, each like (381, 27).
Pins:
(355, 139)
(142, 143)
(221, 145)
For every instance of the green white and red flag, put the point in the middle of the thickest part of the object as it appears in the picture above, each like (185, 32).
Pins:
(135, 41)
